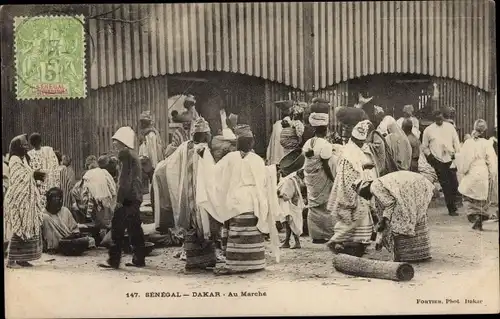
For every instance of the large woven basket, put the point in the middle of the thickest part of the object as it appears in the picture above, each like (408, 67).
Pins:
(292, 162)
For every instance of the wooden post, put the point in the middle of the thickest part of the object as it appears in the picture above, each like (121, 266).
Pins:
(89, 129)
(268, 104)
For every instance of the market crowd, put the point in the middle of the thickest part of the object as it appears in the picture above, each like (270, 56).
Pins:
(213, 195)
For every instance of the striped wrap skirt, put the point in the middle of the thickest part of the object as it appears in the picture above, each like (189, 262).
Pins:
(320, 223)
(200, 253)
(245, 249)
(414, 248)
(25, 250)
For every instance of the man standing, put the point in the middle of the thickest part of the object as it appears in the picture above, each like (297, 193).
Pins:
(408, 114)
(181, 134)
(151, 149)
(440, 143)
(408, 128)
(152, 146)
(127, 214)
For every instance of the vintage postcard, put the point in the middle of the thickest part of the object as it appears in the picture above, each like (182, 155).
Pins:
(250, 159)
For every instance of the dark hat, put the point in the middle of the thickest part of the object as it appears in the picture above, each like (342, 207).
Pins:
(184, 117)
(320, 105)
(320, 100)
(284, 105)
(292, 162)
(243, 130)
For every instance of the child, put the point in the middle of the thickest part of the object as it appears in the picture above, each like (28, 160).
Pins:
(292, 205)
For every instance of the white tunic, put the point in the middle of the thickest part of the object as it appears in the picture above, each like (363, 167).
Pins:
(476, 163)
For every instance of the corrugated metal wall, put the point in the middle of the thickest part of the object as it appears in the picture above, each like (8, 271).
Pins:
(338, 95)
(439, 38)
(469, 102)
(121, 104)
(259, 39)
(276, 92)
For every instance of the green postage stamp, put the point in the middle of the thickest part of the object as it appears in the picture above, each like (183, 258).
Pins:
(50, 57)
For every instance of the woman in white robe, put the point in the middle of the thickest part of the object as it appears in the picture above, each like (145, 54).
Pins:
(477, 164)
(245, 205)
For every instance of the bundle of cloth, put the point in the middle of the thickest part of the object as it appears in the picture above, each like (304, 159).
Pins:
(225, 142)
(320, 105)
(348, 118)
(293, 129)
(222, 145)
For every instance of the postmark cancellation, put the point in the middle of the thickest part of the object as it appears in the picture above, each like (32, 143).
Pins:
(50, 57)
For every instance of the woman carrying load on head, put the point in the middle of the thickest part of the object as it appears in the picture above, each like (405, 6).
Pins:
(354, 225)
(402, 213)
(477, 164)
(318, 177)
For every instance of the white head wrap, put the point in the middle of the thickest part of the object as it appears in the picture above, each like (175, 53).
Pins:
(360, 131)
(378, 109)
(362, 100)
(319, 119)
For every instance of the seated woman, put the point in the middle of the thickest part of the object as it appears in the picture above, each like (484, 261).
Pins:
(58, 223)
(94, 196)
(402, 213)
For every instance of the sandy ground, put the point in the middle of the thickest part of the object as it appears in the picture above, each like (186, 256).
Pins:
(465, 265)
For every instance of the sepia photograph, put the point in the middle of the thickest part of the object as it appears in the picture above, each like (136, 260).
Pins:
(249, 159)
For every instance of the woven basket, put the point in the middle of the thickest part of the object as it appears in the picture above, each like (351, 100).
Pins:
(292, 162)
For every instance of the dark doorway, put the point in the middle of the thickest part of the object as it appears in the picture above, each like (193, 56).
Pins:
(236, 93)
(392, 91)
